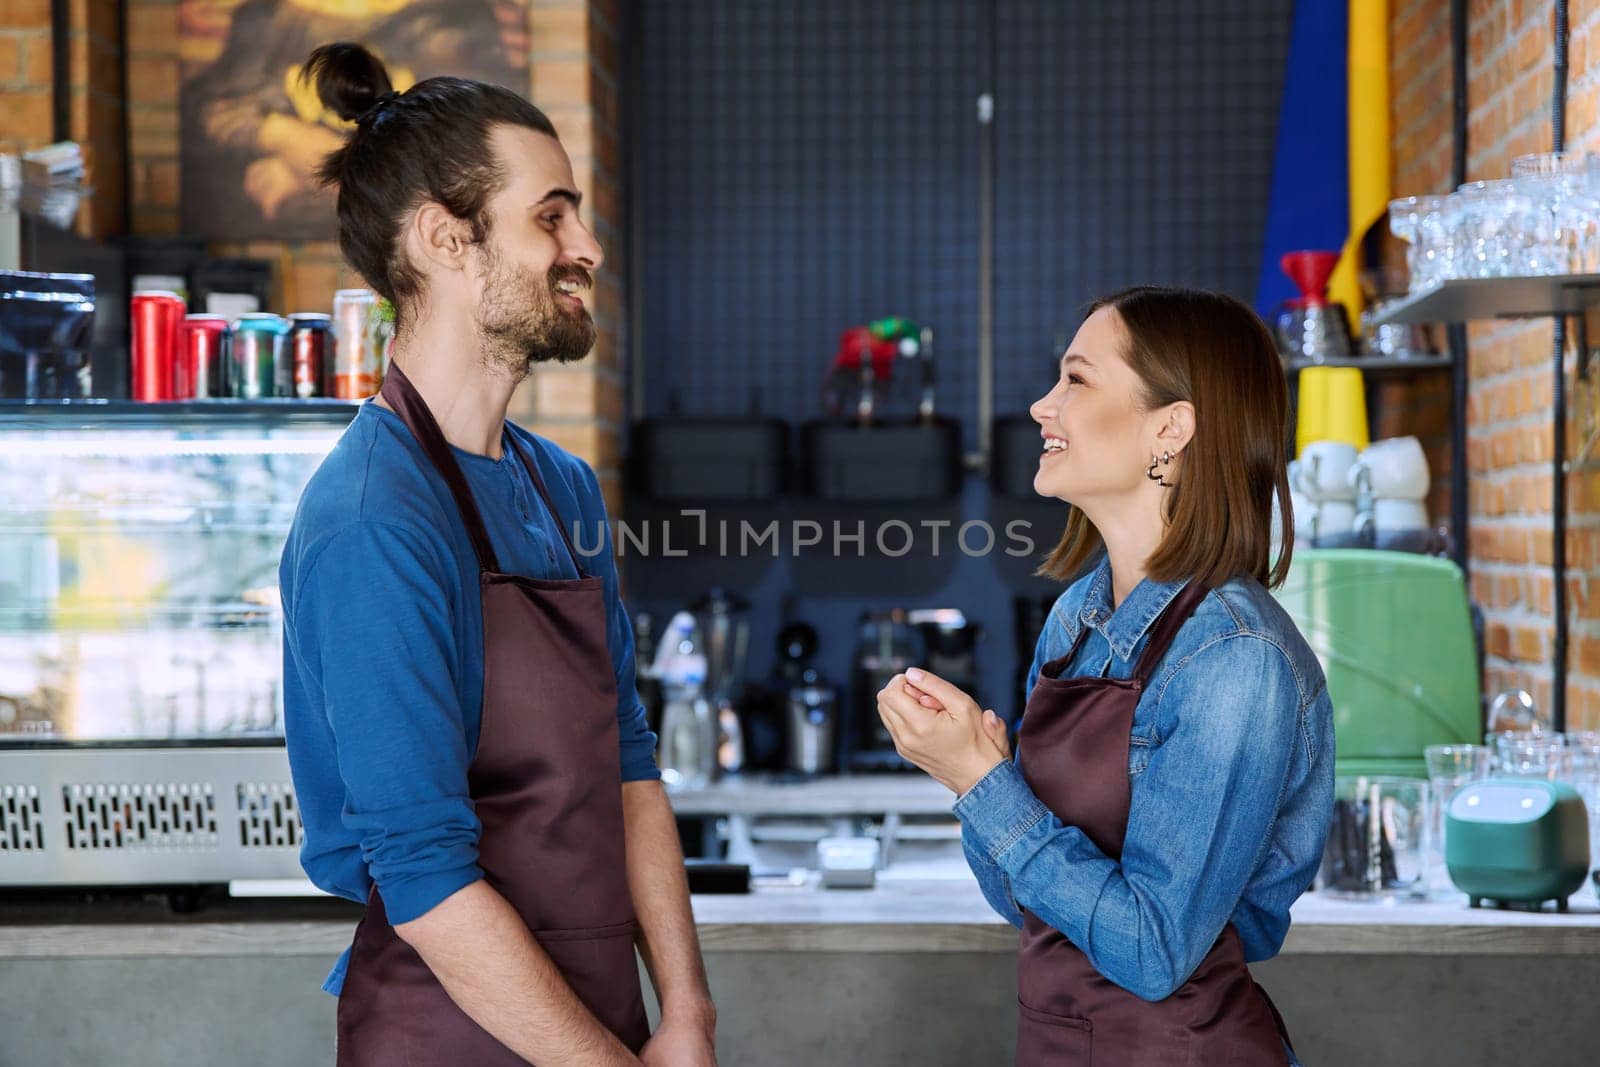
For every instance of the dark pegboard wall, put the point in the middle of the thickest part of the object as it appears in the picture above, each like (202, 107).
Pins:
(801, 168)
(1134, 145)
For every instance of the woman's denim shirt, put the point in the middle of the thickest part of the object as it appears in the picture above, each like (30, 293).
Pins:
(1231, 763)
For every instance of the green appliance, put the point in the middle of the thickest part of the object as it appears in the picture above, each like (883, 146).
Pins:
(1393, 631)
(1517, 841)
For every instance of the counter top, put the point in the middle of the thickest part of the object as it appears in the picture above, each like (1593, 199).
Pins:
(864, 794)
(899, 915)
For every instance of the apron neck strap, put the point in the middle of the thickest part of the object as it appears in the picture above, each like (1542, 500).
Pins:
(1167, 626)
(403, 397)
(538, 482)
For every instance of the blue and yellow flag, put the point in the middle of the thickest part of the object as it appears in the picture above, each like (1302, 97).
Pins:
(1330, 174)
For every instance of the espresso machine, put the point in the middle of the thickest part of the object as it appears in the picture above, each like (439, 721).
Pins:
(941, 640)
(887, 644)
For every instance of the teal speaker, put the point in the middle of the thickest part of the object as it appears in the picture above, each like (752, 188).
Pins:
(1517, 841)
(1393, 632)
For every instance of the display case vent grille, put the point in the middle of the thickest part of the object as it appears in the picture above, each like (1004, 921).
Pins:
(267, 815)
(142, 815)
(21, 828)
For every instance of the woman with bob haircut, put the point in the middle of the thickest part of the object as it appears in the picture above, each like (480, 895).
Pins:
(1173, 780)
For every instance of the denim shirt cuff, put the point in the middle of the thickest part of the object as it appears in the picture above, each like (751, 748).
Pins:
(999, 809)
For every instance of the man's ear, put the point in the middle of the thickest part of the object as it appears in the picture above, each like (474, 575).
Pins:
(437, 238)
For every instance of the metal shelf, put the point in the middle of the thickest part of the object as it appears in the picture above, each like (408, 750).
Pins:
(178, 414)
(1374, 364)
(1463, 299)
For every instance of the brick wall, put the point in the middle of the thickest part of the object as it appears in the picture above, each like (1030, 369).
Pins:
(575, 69)
(1509, 436)
(94, 77)
(25, 73)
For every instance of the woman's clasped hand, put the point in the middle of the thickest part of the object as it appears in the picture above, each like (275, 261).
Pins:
(941, 729)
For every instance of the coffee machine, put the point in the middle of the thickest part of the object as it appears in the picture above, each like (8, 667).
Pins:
(941, 640)
(887, 644)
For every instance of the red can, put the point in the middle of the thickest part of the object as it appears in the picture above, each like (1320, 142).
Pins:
(202, 366)
(310, 339)
(153, 319)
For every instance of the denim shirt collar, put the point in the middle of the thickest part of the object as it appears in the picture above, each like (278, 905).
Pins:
(1123, 626)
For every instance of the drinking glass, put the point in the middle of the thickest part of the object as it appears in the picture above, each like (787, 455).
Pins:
(1556, 214)
(1492, 228)
(1375, 843)
(1583, 773)
(1530, 755)
(1449, 768)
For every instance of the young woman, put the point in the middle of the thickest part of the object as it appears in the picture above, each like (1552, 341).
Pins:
(1174, 775)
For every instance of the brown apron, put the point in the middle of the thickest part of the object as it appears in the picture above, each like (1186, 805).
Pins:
(546, 782)
(1073, 753)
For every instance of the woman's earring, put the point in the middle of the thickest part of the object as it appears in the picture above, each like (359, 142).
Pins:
(1155, 461)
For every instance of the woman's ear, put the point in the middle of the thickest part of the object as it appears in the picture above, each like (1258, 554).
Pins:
(1177, 429)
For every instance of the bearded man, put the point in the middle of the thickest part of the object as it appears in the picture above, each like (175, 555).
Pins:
(469, 752)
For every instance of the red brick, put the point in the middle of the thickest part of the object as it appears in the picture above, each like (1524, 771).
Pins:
(153, 29)
(152, 80)
(36, 60)
(1543, 544)
(1497, 640)
(25, 14)
(1528, 644)
(10, 59)
(25, 121)
(153, 131)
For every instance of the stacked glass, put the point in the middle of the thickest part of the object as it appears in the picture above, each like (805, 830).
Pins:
(1543, 220)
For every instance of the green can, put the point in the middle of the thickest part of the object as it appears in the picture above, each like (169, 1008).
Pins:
(260, 345)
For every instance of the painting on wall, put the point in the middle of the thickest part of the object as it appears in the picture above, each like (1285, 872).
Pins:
(253, 136)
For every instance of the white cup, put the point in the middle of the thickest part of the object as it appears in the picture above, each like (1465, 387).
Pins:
(1389, 513)
(1324, 471)
(1304, 509)
(1333, 517)
(1395, 467)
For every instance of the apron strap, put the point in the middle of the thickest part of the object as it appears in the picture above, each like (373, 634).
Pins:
(408, 404)
(1167, 626)
(544, 494)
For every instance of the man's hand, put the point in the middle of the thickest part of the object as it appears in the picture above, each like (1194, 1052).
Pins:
(685, 1043)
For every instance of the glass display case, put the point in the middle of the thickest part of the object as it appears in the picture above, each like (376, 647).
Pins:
(141, 722)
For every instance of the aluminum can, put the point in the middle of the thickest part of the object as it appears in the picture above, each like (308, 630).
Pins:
(259, 345)
(357, 349)
(153, 318)
(310, 346)
(204, 346)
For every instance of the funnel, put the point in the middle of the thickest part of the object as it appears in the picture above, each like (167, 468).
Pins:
(1310, 272)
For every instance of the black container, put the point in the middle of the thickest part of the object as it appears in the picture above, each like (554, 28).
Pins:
(244, 277)
(1015, 459)
(896, 461)
(710, 459)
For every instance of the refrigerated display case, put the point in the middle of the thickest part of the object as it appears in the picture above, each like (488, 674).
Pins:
(141, 707)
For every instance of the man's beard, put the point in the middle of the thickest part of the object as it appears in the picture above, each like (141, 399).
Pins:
(520, 322)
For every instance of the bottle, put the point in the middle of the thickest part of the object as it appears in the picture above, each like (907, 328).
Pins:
(688, 747)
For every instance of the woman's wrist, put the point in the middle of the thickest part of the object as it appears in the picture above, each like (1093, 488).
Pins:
(975, 771)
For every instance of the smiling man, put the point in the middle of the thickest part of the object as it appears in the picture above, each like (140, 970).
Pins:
(469, 752)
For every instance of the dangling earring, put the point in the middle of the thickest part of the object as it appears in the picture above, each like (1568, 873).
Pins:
(1163, 459)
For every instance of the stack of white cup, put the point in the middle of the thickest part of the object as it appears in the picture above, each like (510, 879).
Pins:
(1390, 480)
(1322, 493)
(1344, 498)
